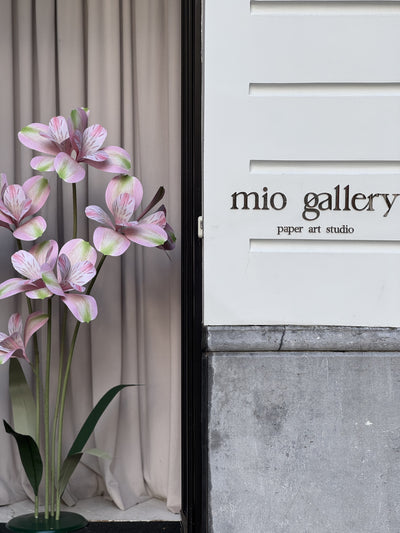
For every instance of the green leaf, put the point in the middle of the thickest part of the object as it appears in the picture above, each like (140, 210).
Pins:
(22, 402)
(76, 450)
(67, 469)
(30, 457)
(71, 462)
(98, 453)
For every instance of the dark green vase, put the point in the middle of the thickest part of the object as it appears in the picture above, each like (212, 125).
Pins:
(28, 523)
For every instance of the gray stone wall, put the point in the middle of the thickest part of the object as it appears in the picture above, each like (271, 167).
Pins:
(303, 430)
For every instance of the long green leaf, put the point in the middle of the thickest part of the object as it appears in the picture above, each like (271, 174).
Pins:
(76, 450)
(67, 469)
(71, 462)
(91, 421)
(30, 457)
(22, 402)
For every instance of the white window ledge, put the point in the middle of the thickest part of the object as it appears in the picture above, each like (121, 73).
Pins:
(99, 509)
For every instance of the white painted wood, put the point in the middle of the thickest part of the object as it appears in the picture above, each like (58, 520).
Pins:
(303, 99)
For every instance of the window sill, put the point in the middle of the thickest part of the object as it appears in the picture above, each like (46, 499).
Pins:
(99, 509)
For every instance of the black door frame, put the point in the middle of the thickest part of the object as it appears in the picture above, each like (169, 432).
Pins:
(194, 482)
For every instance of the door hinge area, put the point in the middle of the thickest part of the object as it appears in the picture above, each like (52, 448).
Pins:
(200, 227)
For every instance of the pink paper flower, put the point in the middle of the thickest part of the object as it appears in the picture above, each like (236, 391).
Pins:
(75, 267)
(67, 143)
(14, 344)
(18, 203)
(123, 196)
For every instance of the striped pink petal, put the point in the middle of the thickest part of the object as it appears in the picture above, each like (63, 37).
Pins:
(58, 129)
(96, 213)
(14, 346)
(15, 324)
(68, 169)
(100, 155)
(82, 306)
(26, 264)
(80, 274)
(123, 184)
(109, 242)
(156, 218)
(16, 202)
(13, 286)
(123, 208)
(93, 139)
(37, 136)
(31, 230)
(118, 161)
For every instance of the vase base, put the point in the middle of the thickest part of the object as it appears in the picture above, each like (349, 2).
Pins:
(28, 523)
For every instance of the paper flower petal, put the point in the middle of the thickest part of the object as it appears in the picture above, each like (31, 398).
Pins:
(109, 242)
(118, 160)
(13, 286)
(51, 283)
(68, 169)
(16, 202)
(31, 230)
(15, 324)
(123, 184)
(93, 139)
(96, 213)
(58, 129)
(79, 250)
(26, 264)
(39, 294)
(79, 119)
(37, 189)
(37, 137)
(45, 252)
(34, 322)
(82, 306)
(43, 163)
(123, 208)
(148, 235)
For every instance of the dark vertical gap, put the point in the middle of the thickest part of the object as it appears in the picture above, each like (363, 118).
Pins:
(121, 70)
(85, 28)
(121, 134)
(194, 479)
(16, 88)
(35, 69)
(61, 237)
(56, 62)
(85, 103)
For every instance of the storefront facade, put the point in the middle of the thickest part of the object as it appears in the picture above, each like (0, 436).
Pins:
(296, 177)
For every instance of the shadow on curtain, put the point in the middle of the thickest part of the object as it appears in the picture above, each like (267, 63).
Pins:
(121, 59)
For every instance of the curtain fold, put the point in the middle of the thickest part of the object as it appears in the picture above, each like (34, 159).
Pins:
(121, 59)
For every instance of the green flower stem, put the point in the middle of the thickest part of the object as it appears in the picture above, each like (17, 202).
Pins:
(64, 391)
(37, 393)
(47, 415)
(36, 369)
(92, 282)
(75, 211)
(61, 415)
(57, 412)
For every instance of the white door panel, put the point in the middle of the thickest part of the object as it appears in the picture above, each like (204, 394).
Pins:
(301, 101)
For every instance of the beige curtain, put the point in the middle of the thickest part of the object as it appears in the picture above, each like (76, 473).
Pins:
(121, 59)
